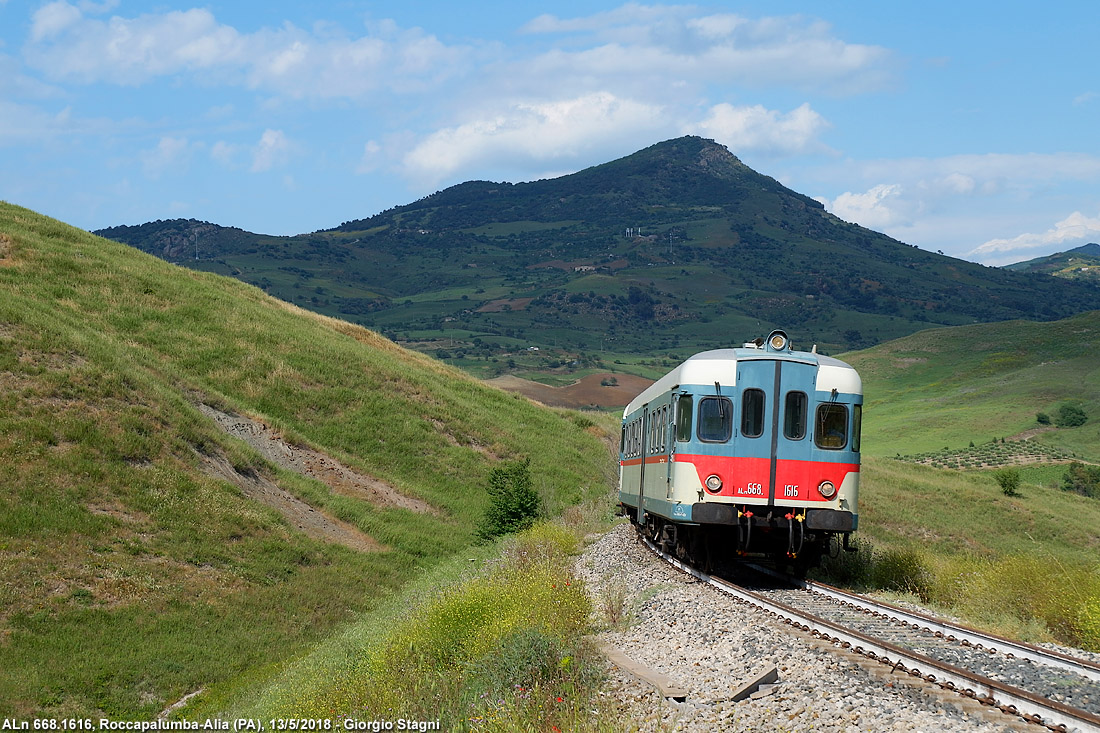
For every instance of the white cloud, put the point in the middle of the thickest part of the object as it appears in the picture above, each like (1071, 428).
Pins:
(170, 153)
(272, 150)
(530, 134)
(1085, 98)
(68, 44)
(761, 130)
(878, 208)
(1070, 232)
(655, 43)
(53, 19)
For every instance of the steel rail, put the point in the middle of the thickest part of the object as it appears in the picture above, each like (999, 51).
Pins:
(947, 629)
(1013, 700)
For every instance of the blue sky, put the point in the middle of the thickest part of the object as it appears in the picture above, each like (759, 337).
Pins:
(965, 127)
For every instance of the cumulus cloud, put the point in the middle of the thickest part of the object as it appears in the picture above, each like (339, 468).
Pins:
(757, 129)
(530, 134)
(878, 208)
(170, 153)
(658, 42)
(1070, 232)
(273, 149)
(68, 43)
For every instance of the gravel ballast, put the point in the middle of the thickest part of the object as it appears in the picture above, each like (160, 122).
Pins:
(708, 644)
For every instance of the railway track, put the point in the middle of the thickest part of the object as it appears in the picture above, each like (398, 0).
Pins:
(1040, 686)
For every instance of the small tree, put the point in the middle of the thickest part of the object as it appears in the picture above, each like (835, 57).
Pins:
(514, 505)
(1070, 416)
(1042, 418)
(1009, 481)
(1082, 479)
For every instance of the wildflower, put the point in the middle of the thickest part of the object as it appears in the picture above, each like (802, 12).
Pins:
(561, 699)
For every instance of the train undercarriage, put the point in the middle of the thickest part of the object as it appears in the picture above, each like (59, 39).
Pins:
(777, 537)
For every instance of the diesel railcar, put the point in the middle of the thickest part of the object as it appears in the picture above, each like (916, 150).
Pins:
(746, 452)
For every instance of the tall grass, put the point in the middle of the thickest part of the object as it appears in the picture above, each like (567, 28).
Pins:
(499, 649)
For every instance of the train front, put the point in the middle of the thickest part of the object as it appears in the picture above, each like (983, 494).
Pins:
(765, 460)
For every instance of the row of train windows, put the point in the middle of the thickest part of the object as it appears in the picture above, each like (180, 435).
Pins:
(716, 415)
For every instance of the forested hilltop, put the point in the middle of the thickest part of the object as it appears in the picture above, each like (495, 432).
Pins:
(677, 247)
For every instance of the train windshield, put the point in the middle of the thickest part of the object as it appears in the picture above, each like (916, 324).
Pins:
(831, 426)
(715, 419)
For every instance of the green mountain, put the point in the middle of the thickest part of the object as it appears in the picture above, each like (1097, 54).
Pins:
(1080, 263)
(677, 247)
(198, 481)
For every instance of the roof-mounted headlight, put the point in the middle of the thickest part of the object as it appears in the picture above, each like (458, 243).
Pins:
(777, 341)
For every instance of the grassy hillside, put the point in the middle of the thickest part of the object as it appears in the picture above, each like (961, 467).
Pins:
(130, 572)
(953, 386)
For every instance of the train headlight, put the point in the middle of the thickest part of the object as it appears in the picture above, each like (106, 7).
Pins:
(778, 341)
(827, 489)
(713, 483)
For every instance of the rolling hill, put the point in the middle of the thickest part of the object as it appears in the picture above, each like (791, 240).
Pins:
(675, 248)
(199, 481)
(950, 387)
(1079, 263)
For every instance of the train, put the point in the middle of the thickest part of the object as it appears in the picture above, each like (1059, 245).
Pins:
(746, 453)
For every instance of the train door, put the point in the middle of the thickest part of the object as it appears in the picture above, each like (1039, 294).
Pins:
(755, 429)
(669, 437)
(795, 389)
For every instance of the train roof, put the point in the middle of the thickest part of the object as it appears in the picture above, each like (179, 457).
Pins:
(708, 367)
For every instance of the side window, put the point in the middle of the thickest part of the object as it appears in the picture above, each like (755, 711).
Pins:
(623, 448)
(794, 416)
(831, 426)
(664, 429)
(857, 424)
(752, 413)
(683, 418)
(715, 419)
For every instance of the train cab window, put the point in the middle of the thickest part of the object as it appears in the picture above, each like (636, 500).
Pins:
(752, 413)
(683, 418)
(857, 423)
(715, 419)
(623, 448)
(831, 426)
(794, 416)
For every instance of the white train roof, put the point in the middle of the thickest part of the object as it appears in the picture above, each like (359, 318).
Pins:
(708, 367)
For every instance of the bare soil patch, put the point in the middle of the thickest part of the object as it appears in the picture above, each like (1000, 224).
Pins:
(313, 522)
(585, 392)
(1029, 434)
(5, 250)
(308, 462)
(497, 306)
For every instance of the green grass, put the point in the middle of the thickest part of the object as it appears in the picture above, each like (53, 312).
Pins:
(124, 569)
(489, 642)
(950, 387)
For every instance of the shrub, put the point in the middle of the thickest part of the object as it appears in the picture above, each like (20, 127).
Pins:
(1009, 481)
(1070, 416)
(903, 571)
(514, 505)
(1042, 418)
(1082, 479)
